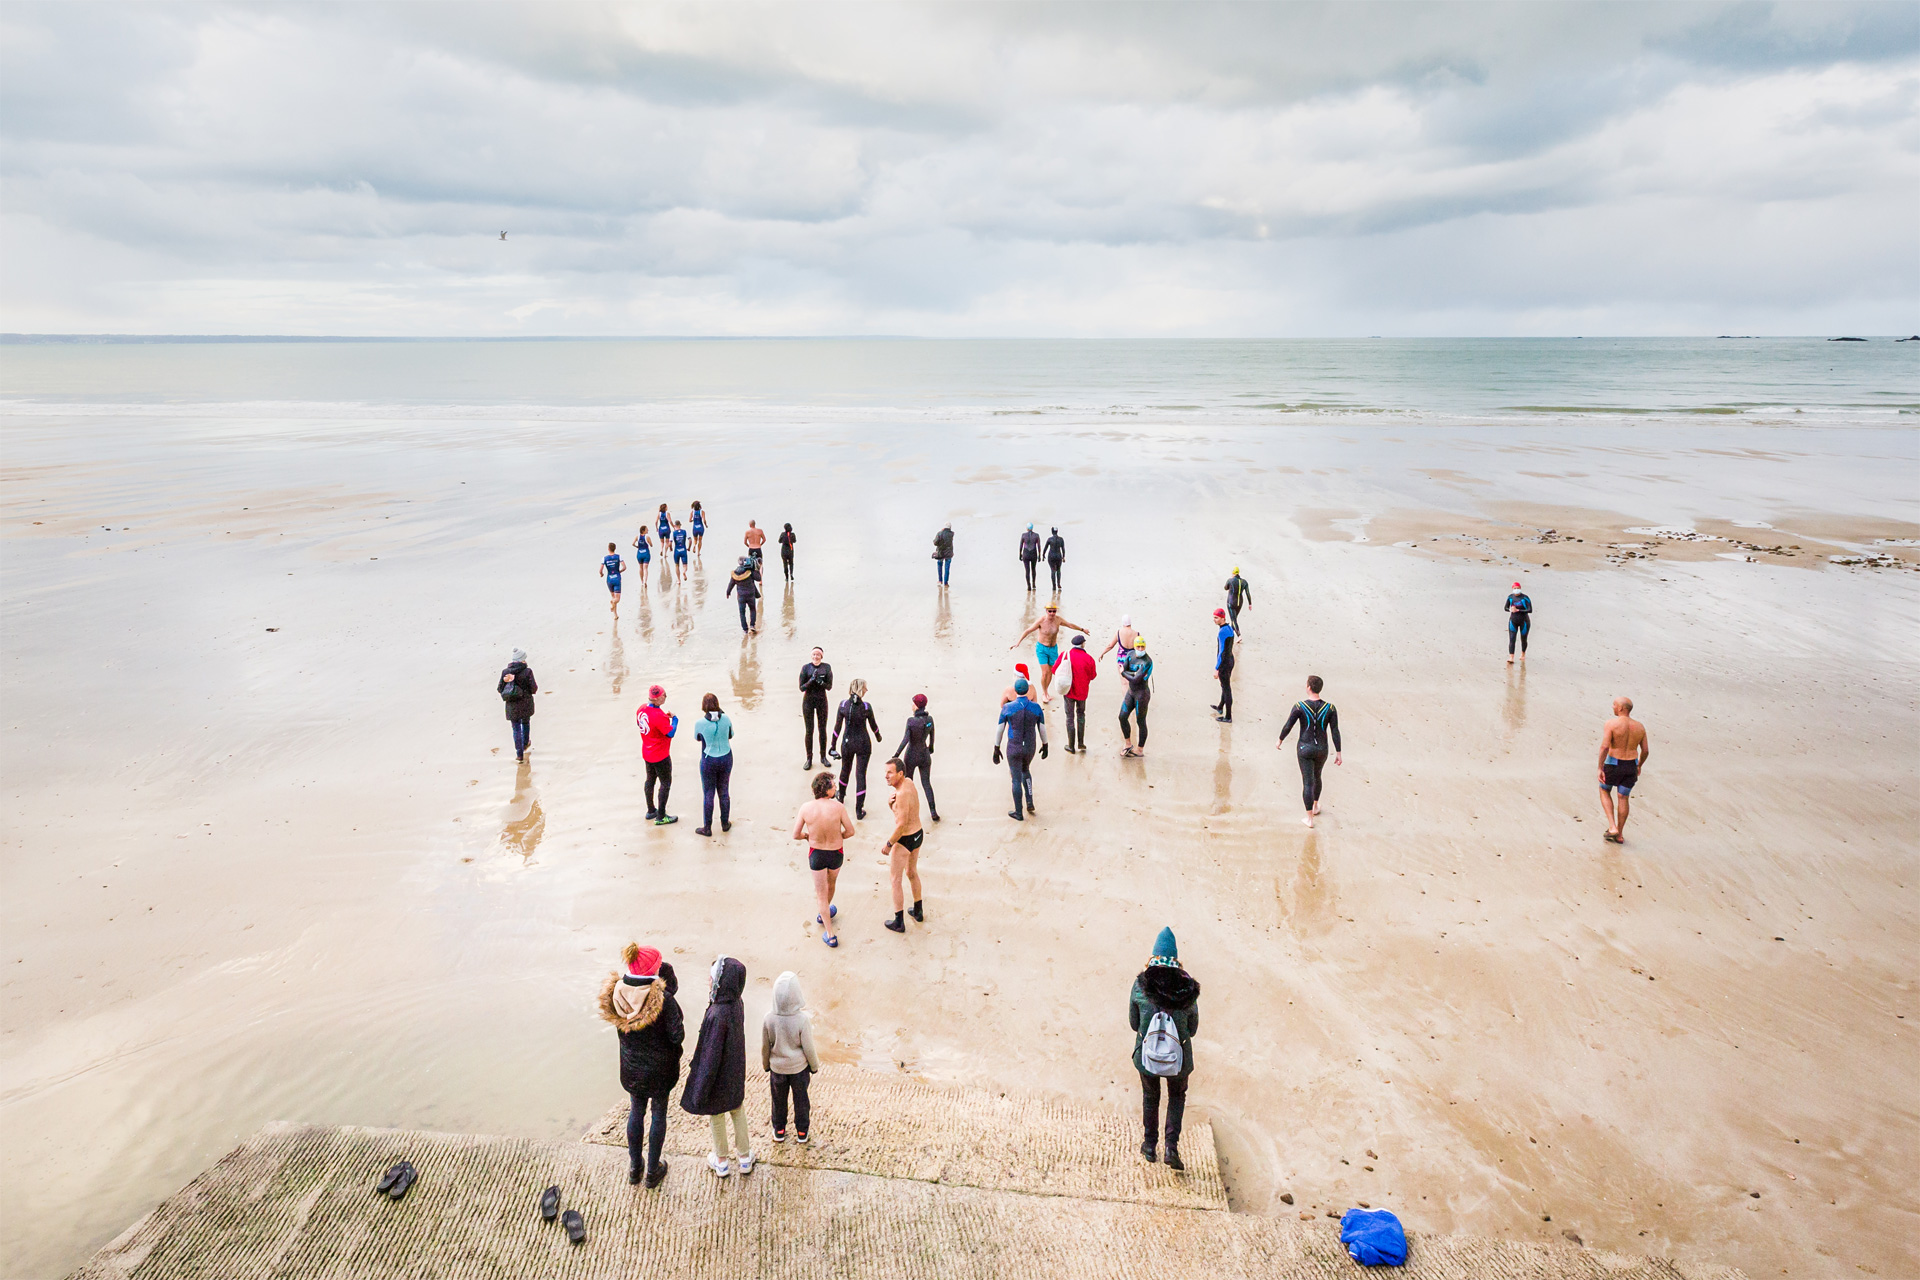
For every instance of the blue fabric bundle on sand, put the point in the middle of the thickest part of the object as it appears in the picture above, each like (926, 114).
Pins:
(1374, 1238)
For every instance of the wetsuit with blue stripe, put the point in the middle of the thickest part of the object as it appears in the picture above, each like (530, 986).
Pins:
(1519, 620)
(1318, 722)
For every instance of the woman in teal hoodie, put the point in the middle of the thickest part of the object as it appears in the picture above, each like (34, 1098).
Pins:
(1163, 987)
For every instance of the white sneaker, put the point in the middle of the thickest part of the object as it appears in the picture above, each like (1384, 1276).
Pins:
(746, 1163)
(720, 1167)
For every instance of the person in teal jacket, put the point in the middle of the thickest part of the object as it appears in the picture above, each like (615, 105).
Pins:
(1164, 987)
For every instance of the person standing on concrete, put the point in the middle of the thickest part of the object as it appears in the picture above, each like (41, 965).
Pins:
(641, 1006)
(717, 1074)
(516, 689)
(943, 552)
(1030, 557)
(1082, 670)
(915, 751)
(854, 730)
(1223, 639)
(1239, 596)
(715, 732)
(788, 1057)
(816, 678)
(744, 584)
(1022, 725)
(1056, 551)
(1164, 1012)
(656, 748)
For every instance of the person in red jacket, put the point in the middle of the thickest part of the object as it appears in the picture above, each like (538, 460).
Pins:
(656, 746)
(1083, 669)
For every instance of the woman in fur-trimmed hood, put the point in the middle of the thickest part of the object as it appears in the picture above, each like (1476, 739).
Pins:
(641, 1006)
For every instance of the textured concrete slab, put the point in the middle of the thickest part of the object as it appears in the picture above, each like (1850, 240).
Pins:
(894, 1126)
(296, 1203)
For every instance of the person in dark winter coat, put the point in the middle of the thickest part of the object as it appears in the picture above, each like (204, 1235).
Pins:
(517, 687)
(640, 1005)
(717, 1075)
(1164, 987)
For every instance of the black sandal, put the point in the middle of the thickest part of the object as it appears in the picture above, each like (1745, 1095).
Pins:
(388, 1178)
(406, 1179)
(549, 1204)
(575, 1224)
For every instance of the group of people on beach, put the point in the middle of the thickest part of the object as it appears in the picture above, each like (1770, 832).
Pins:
(1163, 1004)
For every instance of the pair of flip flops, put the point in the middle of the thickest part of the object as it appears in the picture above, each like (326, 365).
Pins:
(576, 1226)
(395, 1182)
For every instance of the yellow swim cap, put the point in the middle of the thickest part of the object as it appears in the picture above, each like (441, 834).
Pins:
(1139, 642)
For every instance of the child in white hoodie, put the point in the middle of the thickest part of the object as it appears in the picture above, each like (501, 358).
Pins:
(786, 1052)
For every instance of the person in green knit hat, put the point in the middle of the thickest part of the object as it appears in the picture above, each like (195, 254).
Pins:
(1164, 1012)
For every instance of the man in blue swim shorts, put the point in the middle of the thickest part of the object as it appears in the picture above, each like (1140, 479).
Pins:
(1623, 750)
(1046, 647)
(611, 568)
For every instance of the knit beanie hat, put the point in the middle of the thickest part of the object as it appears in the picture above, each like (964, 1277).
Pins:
(1165, 952)
(642, 962)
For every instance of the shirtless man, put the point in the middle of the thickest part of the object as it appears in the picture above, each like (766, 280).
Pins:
(1623, 749)
(824, 824)
(756, 538)
(1122, 639)
(902, 854)
(1046, 645)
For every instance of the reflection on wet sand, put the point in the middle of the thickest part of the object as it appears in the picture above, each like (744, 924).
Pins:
(643, 612)
(1516, 705)
(1310, 895)
(682, 616)
(942, 617)
(698, 575)
(786, 611)
(1223, 773)
(616, 662)
(746, 673)
(525, 822)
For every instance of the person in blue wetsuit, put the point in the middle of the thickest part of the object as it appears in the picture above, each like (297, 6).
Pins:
(697, 522)
(1022, 725)
(1136, 668)
(1318, 721)
(611, 567)
(1519, 621)
(679, 551)
(642, 553)
(663, 525)
(1223, 665)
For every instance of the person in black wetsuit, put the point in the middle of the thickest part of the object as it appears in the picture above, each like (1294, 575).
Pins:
(1223, 665)
(1030, 556)
(1056, 556)
(743, 584)
(816, 678)
(1318, 722)
(1239, 596)
(1136, 669)
(915, 751)
(1519, 621)
(851, 736)
(787, 539)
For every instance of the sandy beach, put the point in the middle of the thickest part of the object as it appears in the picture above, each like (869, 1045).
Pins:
(268, 854)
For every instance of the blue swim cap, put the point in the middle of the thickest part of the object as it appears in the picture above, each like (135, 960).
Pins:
(1021, 686)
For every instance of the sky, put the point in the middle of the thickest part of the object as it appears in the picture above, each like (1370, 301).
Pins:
(1081, 170)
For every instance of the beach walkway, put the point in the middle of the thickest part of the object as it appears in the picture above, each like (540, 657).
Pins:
(906, 1180)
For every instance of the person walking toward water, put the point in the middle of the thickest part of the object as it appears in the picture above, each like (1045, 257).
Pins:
(943, 552)
(717, 1074)
(1137, 670)
(679, 552)
(915, 751)
(1519, 621)
(824, 824)
(1623, 750)
(1164, 1012)
(902, 854)
(1056, 551)
(744, 586)
(1239, 596)
(854, 742)
(697, 521)
(1030, 556)
(1223, 639)
(656, 749)
(642, 554)
(1318, 722)
(516, 689)
(787, 539)
(1046, 645)
(1082, 670)
(788, 1057)
(816, 678)
(1123, 637)
(1022, 726)
(663, 525)
(715, 732)
(755, 538)
(611, 567)
(641, 1006)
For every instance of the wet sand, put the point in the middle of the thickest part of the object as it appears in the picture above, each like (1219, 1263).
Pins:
(268, 855)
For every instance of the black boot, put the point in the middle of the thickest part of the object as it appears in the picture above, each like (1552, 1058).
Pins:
(1146, 1149)
(1173, 1157)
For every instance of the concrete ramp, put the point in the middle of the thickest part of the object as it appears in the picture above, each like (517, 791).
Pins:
(296, 1203)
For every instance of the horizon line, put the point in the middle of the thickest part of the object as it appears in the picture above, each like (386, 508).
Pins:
(27, 339)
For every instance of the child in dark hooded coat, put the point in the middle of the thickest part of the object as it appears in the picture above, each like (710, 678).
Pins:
(1164, 987)
(717, 1072)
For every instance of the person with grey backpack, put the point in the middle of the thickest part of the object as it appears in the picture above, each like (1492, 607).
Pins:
(1164, 1012)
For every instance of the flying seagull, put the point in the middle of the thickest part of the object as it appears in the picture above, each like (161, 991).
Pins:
(503, 235)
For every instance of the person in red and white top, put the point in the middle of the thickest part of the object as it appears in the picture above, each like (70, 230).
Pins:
(656, 746)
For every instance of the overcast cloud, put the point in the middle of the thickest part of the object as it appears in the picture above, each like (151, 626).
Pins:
(1089, 169)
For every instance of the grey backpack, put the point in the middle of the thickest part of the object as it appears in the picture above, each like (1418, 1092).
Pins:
(1160, 1051)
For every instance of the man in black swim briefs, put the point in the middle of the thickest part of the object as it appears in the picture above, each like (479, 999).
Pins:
(1623, 750)
(902, 854)
(824, 824)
